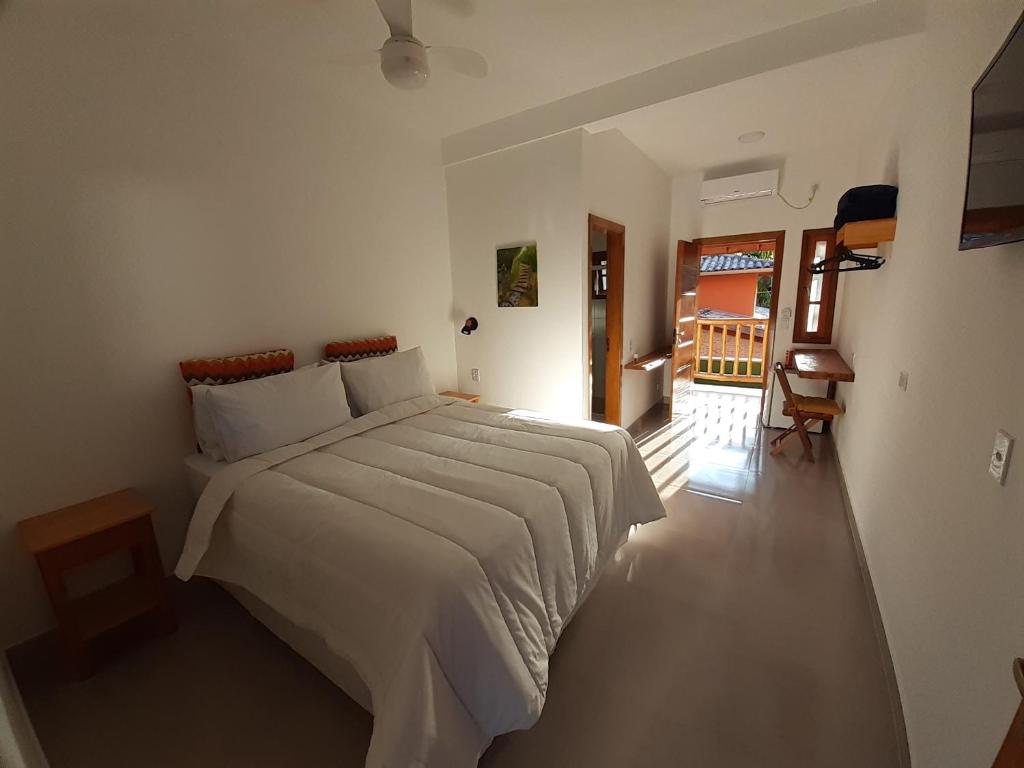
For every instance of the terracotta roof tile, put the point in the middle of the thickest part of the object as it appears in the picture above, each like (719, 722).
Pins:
(730, 262)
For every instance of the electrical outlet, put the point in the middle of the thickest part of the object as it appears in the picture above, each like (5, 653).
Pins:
(904, 380)
(474, 374)
(1000, 461)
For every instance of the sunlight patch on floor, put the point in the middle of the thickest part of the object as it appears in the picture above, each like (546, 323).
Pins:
(711, 449)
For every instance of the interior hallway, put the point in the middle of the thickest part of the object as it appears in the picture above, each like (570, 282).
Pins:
(734, 633)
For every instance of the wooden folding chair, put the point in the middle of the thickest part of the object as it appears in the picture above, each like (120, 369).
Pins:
(805, 411)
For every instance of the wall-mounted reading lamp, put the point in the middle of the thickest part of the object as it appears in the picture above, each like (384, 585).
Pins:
(470, 326)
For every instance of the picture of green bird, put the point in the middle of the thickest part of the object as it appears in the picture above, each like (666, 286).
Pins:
(517, 276)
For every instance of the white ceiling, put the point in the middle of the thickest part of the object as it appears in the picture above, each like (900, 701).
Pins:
(828, 102)
(539, 50)
(278, 52)
(542, 50)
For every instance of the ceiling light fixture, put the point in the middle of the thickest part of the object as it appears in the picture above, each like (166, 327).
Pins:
(403, 60)
(751, 137)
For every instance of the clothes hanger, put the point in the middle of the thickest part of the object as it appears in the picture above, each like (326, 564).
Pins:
(842, 254)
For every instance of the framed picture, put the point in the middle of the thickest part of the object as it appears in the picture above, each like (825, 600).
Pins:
(517, 275)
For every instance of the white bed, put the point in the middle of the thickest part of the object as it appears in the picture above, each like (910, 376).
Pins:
(425, 557)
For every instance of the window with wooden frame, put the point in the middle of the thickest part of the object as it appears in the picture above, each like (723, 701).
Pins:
(816, 294)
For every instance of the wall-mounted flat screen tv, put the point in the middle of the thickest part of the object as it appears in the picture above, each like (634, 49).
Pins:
(994, 210)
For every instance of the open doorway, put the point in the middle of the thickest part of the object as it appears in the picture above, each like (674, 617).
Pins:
(731, 285)
(607, 247)
(736, 305)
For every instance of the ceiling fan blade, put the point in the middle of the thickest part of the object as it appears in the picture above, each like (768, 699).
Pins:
(458, 7)
(398, 15)
(462, 60)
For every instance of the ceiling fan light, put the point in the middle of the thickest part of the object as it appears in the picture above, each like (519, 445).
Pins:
(404, 63)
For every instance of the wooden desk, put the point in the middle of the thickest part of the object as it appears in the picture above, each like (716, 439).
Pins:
(823, 365)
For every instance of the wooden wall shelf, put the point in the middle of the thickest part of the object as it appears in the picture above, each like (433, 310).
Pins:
(650, 362)
(866, 234)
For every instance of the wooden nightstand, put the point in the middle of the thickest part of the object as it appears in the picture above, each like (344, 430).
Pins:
(74, 536)
(461, 395)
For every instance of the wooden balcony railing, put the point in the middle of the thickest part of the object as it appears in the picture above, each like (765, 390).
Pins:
(731, 350)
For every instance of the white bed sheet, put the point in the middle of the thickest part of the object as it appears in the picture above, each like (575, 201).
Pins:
(438, 547)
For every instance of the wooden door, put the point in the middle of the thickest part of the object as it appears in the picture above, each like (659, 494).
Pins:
(684, 352)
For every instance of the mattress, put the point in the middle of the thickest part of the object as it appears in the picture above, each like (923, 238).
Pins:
(199, 468)
(437, 549)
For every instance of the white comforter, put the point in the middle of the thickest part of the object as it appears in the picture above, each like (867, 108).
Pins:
(439, 547)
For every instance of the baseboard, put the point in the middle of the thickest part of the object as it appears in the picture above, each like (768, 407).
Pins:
(888, 670)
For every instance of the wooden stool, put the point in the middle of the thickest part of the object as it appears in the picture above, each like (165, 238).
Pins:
(1011, 754)
(461, 395)
(71, 537)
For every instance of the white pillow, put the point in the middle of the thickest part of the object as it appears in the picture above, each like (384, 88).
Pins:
(202, 420)
(379, 381)
(203, 423)
(251, 417)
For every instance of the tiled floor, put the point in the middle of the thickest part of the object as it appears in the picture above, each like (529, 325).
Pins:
(734, 633)
(712, 449)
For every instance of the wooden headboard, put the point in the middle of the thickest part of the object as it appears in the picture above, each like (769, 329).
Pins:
(358, 349)
(228, 370)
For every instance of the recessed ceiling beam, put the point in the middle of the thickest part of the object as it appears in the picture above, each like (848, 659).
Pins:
(806, 40)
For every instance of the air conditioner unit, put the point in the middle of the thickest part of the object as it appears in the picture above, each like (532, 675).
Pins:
(761, 184)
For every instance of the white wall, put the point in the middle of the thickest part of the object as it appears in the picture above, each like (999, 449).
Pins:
(529, 357)
(536, 357)
(835, 170)
(622, 184)
(159, 200)
(942, 539)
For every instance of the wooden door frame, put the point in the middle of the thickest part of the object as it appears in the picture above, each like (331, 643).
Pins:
(779, 236)
(616, 248)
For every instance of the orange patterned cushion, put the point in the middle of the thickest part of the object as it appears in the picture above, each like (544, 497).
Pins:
(227, 370)
(347, 351)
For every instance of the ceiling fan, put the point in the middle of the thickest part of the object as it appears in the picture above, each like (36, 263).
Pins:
(405, 61)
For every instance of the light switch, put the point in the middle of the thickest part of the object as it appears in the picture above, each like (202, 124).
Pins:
(1000, 462)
